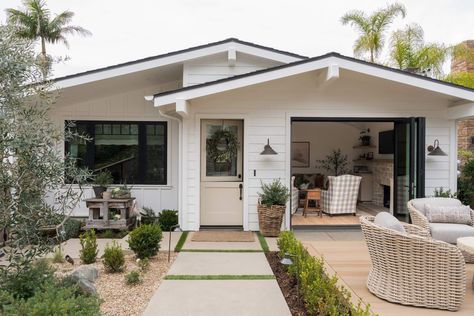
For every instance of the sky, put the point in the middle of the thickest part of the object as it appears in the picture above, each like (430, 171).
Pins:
(125, 30)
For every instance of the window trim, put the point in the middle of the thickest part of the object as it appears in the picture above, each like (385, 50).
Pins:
(89, 160)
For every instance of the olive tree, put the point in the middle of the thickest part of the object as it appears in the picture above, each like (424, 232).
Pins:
(38, 186)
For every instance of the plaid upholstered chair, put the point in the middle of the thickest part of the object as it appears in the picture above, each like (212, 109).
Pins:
(341, 195)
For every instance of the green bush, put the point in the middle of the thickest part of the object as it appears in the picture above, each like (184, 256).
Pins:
(145, 240)
(274, 193)
(132, 278)
(89, 248)
(114, 259)
(58, 256)
(148, 216)
(466, 184)
(103, 179)
(72, 228)
(54, 300)
(108, 234)
(320, 292)
(23, 284)
(168, 219)
(442, 193)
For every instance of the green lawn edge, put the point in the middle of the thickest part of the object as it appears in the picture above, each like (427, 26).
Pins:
(219, 277)
(181, 241)
(221, 250)
(263, 242)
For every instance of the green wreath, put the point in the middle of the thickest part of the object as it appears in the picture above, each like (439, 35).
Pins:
(222, 146)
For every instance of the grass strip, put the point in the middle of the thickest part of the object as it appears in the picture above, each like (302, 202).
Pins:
(220, 277)
(181, 241)
(263, 242)
(221, 250)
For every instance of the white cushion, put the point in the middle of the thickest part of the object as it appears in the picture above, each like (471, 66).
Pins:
(419, 204)
(387, 220)
(448, 214)
(450, 232)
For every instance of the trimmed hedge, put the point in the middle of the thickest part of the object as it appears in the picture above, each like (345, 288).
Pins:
(321, 294)
(145, 240)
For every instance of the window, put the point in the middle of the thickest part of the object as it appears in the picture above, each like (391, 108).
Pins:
(134, 152)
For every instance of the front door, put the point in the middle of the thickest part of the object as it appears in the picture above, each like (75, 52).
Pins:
(221, 173)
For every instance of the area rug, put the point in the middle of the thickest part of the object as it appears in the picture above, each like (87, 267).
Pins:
(222, 236)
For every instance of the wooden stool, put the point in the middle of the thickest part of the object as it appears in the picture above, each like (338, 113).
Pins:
(313, 195)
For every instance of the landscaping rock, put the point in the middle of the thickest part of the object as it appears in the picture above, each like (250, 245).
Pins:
(87, 286)
(89, 273)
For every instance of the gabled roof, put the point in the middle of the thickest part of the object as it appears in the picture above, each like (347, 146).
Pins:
(186, 54)
(310, 64)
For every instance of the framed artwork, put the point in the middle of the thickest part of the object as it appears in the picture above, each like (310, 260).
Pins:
(300, 154)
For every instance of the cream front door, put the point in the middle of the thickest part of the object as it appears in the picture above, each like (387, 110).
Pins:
(221, 173)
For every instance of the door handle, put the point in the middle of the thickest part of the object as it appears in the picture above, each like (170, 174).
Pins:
(240, 190)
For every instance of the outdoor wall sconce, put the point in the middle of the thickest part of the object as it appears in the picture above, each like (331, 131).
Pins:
(268, 150)
(435, 150)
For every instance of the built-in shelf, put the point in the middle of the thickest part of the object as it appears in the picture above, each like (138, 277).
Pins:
(372, 160)
(364, 146)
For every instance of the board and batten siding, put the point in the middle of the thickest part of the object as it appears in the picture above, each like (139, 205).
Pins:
(267, 110)
(128, 106)
(216, 67)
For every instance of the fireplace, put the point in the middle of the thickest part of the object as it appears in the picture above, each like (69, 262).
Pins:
(386, 196)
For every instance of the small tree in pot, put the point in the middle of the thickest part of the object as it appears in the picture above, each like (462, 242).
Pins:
(101, 181)
(271, 207)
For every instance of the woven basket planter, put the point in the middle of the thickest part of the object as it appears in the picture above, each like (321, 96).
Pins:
(270, 219)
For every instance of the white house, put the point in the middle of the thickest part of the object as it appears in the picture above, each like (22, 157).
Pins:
(152, 122)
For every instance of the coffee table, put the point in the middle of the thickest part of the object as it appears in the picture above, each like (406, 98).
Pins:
(466, 245)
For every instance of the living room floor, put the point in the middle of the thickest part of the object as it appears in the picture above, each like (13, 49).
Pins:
(313, 219)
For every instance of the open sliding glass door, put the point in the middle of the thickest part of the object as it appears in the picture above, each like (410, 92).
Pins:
(409, 164)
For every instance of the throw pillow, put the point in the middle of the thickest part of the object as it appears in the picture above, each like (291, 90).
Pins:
(448, 214)
(387, 220)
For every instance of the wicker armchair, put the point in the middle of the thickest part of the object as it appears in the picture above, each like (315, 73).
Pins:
(413, 269)
(341, 195)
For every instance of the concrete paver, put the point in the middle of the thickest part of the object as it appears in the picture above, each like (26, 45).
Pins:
(236, 297)
(214, 263)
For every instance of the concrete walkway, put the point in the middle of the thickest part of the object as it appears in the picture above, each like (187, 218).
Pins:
(219, 297)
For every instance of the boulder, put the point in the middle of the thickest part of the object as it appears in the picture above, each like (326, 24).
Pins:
(87, 286)
(88, 273)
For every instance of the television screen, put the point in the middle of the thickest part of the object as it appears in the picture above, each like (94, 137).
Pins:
(386, 142)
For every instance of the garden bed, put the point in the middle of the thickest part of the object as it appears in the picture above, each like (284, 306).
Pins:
(119, 298)
(288, 285)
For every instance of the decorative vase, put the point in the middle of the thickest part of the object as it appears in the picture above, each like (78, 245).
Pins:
(98, 191)
(106, 195)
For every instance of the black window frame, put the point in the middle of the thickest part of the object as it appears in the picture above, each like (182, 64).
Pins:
(142, 136)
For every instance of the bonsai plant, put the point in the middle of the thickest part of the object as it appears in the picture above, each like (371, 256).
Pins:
(336, 163)
(101, 181)
(271, 207)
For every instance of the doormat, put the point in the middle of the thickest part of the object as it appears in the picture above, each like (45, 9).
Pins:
(220, 236)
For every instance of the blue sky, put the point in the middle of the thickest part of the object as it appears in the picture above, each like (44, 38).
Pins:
(128, 30)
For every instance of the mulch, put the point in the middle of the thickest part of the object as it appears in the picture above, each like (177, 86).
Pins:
(287, 285)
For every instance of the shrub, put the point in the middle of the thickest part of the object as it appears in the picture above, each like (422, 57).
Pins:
(143, 264)
(274, 193)
(72, 228)
(168, 219)
(442, 193)
(320, 292)
(55, 300)
(132, 278)
(114, 259)
(31, 278)
(103, 179)
(108, 234)
(145, 240)
(466, 184)
(58, 256)
(89, 247)
(148, 216)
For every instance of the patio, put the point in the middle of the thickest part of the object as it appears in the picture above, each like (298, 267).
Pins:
(353, 267)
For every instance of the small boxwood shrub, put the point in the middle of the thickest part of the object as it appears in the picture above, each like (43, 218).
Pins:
(114, 259)
(72, 227)
(167, 219)
(145, 240)
(132, 278)
(89, 248)
(320, 292)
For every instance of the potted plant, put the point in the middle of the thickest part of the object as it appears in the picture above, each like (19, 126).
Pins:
(365, 137)
(101, 181)
(122, 192)
(271, 207)
(335, 163)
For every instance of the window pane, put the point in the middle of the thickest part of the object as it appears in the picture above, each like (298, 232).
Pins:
(222, 163)
(118, 153)
(155, 158)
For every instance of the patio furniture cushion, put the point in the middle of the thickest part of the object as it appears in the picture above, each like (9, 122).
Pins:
(389, 221)
(450, 232)
(448, 214)
(419, 204)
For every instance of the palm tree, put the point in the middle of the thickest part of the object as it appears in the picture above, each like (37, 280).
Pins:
(409, 51)
(35, 22)
(371, 28)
